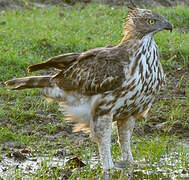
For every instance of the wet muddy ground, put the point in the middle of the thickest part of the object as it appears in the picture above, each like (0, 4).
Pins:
(28, 163)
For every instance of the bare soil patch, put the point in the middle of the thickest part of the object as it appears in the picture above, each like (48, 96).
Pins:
(151, 3)
(4, 4)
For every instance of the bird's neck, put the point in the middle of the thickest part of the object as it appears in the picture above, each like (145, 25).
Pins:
(130, 33)
(144, 59)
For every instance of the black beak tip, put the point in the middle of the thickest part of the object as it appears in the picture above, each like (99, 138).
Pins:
(169, 27)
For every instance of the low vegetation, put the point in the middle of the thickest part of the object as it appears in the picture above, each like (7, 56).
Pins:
(30, 125)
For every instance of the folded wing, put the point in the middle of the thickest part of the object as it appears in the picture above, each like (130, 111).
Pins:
(94, 72)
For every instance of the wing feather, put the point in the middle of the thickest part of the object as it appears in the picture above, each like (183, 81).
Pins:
(94, 72)
(63, 61)
(58, 62)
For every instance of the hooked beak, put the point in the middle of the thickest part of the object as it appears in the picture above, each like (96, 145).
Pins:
(168, 26)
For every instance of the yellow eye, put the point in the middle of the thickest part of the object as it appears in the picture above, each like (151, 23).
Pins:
(151, 21)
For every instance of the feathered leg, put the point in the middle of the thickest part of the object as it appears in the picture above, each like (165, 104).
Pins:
(125, 129)
(102, 135)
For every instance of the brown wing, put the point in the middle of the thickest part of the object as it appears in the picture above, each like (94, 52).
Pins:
(58, 62)
(96, 72)
(63, 61)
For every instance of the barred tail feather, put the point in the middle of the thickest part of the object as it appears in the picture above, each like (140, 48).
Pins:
(30, 82)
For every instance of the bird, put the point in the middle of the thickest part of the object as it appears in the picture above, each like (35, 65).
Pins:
(109, 84)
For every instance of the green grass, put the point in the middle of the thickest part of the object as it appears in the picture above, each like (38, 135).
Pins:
(32, 35)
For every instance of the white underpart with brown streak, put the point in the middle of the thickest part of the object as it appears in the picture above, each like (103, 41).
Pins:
(148, 45)
(125, 130)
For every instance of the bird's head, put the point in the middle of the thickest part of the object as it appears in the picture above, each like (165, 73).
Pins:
(142, 22)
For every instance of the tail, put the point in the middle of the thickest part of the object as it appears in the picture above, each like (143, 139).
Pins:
(30, 82)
